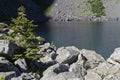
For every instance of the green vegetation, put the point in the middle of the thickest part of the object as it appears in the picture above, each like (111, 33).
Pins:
(23, 35)
(97, 7)
(2, 78)
(3, 25)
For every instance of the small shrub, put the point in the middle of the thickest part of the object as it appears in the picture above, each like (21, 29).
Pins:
(2, 78)
(23, 34)
(97, 7)
(3, 25)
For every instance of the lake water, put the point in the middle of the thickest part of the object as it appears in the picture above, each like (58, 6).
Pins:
(103, 37)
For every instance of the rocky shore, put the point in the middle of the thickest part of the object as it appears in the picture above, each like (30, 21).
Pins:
(79, 10)
(64, 63)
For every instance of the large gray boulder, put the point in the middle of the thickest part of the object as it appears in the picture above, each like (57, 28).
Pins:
(7, 75)
(67, 54)
(52, 71)
(115, 76)
(6, 66)
(7, 48)
(103, 69)
(49, 58)
(57, 68)
(27, 76)
(112, 77)
(49, 76)
(92, 76)
(67, 76)
(115, 57)
(77, 69)
(89, 59)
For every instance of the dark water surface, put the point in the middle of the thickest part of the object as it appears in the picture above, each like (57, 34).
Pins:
(103, 37)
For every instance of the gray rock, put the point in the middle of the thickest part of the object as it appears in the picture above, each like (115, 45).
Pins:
(67, 76)
(7, 75)
(49, 58)
(89, 59)
(30, 76)
(77, 69)
(67, 54)
(92, 76)
(7, 48)
(115, 76)
(49, 76)
(17, 78)
(21, 63)
(6, 66)
(103, 69)
(57, 68)
(115, 57)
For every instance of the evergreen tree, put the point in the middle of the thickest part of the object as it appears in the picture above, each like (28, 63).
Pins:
(23, 30)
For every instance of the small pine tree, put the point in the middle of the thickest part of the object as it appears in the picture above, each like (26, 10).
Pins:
(23, 28)
(23, 34)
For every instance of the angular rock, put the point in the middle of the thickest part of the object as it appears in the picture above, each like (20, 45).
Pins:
(115, 76)
(92, 76)
(89, 59)
(115, 57)
(30, 76)
(48, 59)
(49, 76)
(67, 54)
(21, 63)
(103, 69)
(67, 76)
(17, 78)
(6, 66)
(7, 75)
(57, 68)
(7, 48)
(77, 69)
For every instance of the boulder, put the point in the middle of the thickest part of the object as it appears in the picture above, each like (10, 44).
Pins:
(6, 66)
(30, 76)
(92, 76)
(115, 76)
(57, 68)
(17, 78)
(47, 47)
(49, 59)
(67, 76)
(7, 48)
(115, 57)
(89, 59)
(21, 63)
(103, 69)
(52, 71)
(67, 54)
(49, 76)
(7, 75)
(77, 69)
